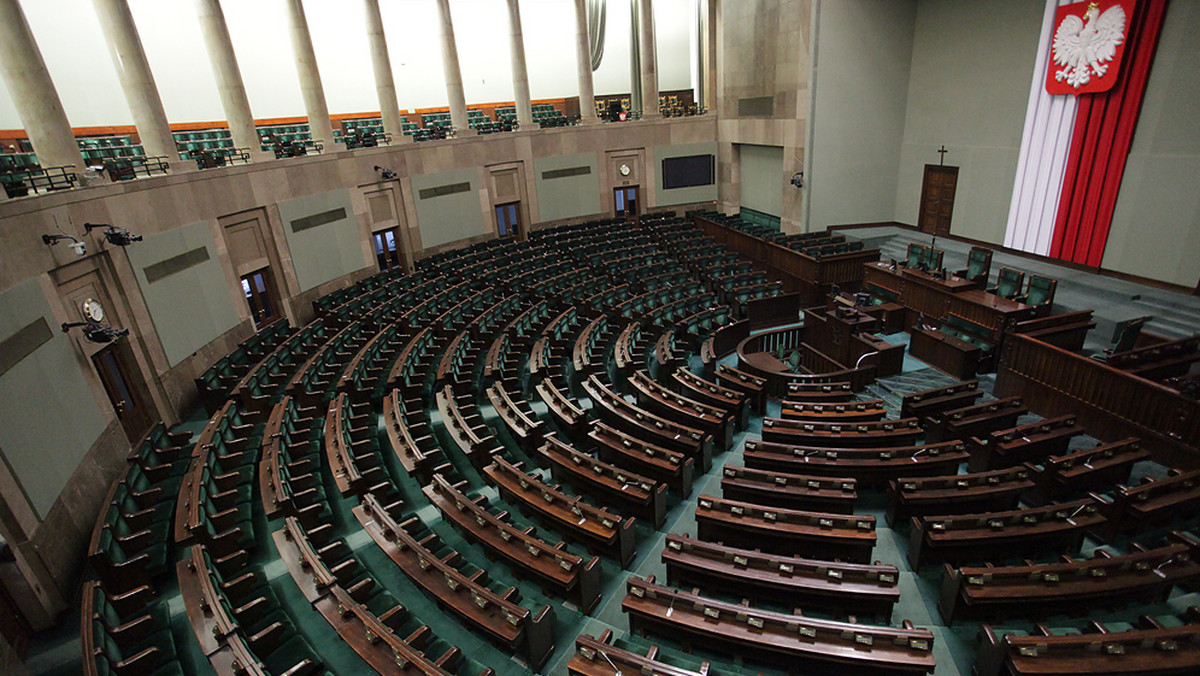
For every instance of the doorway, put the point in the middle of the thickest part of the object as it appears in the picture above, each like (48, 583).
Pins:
(261, 297)
(937, 199)
(387, 249)
(508, 219)
(125, 389)
(626, 201)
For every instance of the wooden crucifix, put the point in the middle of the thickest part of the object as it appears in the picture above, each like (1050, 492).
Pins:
(942, 155)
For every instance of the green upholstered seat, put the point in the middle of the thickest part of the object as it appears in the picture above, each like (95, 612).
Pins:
(1009, 283)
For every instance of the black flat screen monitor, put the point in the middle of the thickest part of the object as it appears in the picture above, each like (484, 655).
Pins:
(688, 172)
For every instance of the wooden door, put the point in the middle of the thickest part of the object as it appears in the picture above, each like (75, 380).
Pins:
(937, 199)
(125, 389)
(261, 297)
(508, 219)
(626, 201)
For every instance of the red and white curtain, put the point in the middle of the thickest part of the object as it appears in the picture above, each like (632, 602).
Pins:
(1073, 149)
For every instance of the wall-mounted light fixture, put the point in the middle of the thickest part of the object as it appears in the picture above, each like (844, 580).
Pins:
(114, 235)
(79, 247)
(96, 332)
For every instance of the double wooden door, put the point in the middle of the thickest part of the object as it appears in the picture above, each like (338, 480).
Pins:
(125, 388)
(937, 199)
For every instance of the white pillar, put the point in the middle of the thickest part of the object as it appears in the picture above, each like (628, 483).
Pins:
(583, 53)
(310, 78)
(520, 74)
(381, 63)
(33, 92)
(454, 84)
(649, 61)
(229, 78)
(141, 93)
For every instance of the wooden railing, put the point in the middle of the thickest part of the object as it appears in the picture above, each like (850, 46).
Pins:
(821, 367)
(1110, 403)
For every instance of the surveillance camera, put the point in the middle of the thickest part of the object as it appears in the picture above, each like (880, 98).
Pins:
(80, 248)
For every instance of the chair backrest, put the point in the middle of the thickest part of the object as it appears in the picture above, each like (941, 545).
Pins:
(979, 263)
(933, 258)
(1009, 283)
(1041, 290)
(916, 253)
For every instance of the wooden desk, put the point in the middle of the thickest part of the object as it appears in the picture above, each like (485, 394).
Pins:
(786, 531)
(936, 299)
(950, 355)
(662, 464)
(775, 578)
(869, 466)
(791, 639)
(794, 491)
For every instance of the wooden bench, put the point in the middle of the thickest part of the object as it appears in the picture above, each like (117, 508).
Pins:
(566, 411)
(551, 565)
(956, 494)
(927, 403)
(870, 467)
(822, 392)
(734, 402)
(593, 526)
(1067, 330)
(466, 428)
(415, 445)
(656, 398)
(977, 420)
(613, 409)
(661, 464)
(883, 433)
(782, 638)
(786, 531)
(1024, 443)
(1149, 650)
(1070, 587)
(1090, 469)
(497, 616)
(754, 387)
(520, 420)
(794, 491)
(857, 411)
(958, 538)
(775, 578)
(1155, 502)
(596, 656)
(627, 491)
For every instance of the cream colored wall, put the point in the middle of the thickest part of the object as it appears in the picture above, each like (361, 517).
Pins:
(1156, 225)
(763, 50)
(860, 90)
(972, 62)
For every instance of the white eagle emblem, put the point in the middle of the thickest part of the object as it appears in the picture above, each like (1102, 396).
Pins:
(1082, 49)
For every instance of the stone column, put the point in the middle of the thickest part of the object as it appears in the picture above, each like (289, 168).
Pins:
(520, 74)
(229, 78)
(454, 83)
(583, 52)
(310, 77)
(649, 60)
(141, 93)
(381, 63)
(33, 92)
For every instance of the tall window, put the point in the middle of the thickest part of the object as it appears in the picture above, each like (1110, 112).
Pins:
(508, 219)
(387, 248)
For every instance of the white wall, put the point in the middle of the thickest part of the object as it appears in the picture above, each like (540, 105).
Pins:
(1156, 225)
(972, 61)
(864, 49)
(762, 178)
(69, 36)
